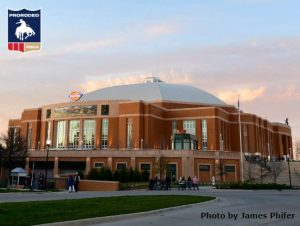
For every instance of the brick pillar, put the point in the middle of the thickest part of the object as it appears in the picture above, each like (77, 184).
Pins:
(132, 162)
(55, 168)
(109, 162)
(87, 166)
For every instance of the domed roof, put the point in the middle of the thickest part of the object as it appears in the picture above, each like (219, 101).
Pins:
(152, 90)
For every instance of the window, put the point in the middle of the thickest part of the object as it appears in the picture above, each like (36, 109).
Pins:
(204, 134)
(72, 111)
(174, 127)
(99, 164)
(145, 167)
(104, 138)
(29, 132)
(229, 169)
(172, 171)
(189, 126)
(104, 109)
(129, 133)
(60, 134)
(48, 113)
(89, 133)
(204, 168)
(48, 137)
(74, 133)
(121, 166)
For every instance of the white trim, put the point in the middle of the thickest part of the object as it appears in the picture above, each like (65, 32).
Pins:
(116, 164)
(150, 171)
(99, 167)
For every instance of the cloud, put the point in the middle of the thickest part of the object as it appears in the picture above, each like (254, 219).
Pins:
(161, 29)
(77, 47)
(93, 82)
(246, 95)
(290, 93)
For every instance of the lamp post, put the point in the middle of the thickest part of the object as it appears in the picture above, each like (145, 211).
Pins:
(241, 143)
(290, 179)
(48, 142)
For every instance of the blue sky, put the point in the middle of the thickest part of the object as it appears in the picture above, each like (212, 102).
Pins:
(250, 47)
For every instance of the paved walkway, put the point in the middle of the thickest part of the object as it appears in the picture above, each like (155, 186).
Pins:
(233, 207)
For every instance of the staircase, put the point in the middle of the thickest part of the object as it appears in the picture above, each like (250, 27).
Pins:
(283, 177)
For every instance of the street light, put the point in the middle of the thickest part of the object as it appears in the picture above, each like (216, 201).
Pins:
(48, 142)
(289, 155)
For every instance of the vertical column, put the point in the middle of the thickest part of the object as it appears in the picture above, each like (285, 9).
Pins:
(55, 168)
(67, 135)
(184, 167)
(132, 162)
(87, 165)
(217, 167)
(191, 167)
(109, 162)
(81, 134)
(27, 165)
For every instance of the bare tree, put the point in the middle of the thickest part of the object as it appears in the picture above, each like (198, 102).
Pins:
(257, 168)
(161, 166)
(275, 168)
(14, 150)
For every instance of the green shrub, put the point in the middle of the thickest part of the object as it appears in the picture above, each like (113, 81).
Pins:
(145, 176)
(254, 186)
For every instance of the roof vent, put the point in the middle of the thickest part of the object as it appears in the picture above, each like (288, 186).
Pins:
(152, 80)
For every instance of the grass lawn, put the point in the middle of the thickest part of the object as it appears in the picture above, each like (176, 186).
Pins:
(38, 212)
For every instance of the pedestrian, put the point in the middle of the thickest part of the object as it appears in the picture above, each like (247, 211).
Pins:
(189, 183)
(71, 183)
(76, 182)
(168, 182)
(195, 183)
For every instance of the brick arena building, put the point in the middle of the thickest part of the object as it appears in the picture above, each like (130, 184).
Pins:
(185, 129)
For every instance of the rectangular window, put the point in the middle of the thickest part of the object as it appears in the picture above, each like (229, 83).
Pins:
(60, 134)
(121, 166)
(204, 134)
(29, 132)
(174, 127)
(104, 109)
(73, 111)
(89, 127)
(229, 169)
(99, 164)
(145, 167)
(48, 113)
(204, 168)
(189, 126)
(74, 133)
(104, 138)
(48, 137)
(129, 133)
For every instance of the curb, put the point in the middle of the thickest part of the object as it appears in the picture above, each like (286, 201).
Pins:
(97, 220)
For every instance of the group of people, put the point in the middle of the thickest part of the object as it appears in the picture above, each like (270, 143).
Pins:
(165, 183)
(188, 184)
(156, 184)
(73, 182)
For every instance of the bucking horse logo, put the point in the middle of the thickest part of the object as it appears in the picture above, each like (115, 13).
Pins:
(24, 30)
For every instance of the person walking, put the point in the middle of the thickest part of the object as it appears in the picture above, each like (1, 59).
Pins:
(195, 183)
(76, 182)
(71, 183)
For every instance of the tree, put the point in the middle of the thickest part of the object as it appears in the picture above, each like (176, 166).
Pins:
(275, 168)
(14, 151)
(257, 168)
(160, 166)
